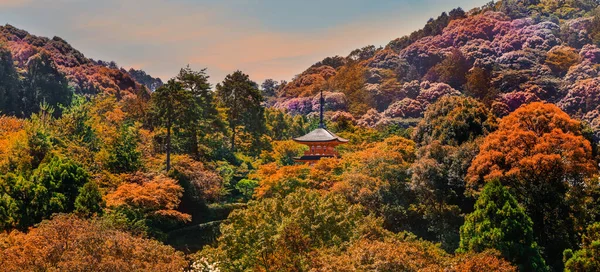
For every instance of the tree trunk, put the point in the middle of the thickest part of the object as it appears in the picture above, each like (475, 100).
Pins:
(168, 145)
(233, 139)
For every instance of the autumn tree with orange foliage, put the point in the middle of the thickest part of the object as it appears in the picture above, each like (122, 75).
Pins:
(151, 199)
(350, 80)
(560, 59)
(541, 153)
(68, 243)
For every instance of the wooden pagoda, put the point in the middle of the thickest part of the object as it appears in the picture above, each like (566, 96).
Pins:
(321, 142)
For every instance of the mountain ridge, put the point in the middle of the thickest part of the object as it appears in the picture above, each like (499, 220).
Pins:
(85, 75)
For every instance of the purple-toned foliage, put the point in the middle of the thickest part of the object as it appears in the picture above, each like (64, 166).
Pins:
(431, 92)
(405, 108)
(480, 53)
(333, 101)
(514, 100)
(385, 59)
(584, 70)
(582, 97)
(591, 53)
(372, 119)
(299, 105)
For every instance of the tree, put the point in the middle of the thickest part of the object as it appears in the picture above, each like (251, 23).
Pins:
(269, 88)
(351, 80)
(44, 83)
(499, 222)
(277, 234)
(594, 27)
(448, 139)
(52, 188)
(586, 258)
(89, 202)
(242, 100)
(172, 105)
(451, 70)
(203, 116)
(9, 88)
(454, 120)
(560, 59)
(124, 155)
(58, 184)
(69, 243)
(246, 187)
(541, 153)
(364, 53)
(478, 85)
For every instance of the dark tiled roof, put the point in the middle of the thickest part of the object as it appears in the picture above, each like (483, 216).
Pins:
(320, 135)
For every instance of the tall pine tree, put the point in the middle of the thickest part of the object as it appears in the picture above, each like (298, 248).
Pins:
(242, 99)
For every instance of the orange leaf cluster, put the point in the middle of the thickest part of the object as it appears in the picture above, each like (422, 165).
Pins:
(158, 195)
(68, 243)
(537, 140)
(394, 254)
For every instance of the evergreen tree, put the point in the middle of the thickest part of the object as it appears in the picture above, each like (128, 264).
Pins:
(269, 88)
(44, 83)
(202, 118)
(124, 156)
(9, 84)
(89, 201)
(498, 222)
(243, 101)
(172, 105)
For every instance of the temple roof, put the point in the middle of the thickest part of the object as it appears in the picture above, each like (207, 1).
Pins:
(320, 135)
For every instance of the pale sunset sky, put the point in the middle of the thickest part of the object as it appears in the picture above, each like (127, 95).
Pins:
(263, 38)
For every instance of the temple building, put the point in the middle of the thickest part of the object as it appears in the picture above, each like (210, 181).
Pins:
(321, 142)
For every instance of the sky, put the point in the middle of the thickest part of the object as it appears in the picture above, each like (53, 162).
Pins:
(263, 38)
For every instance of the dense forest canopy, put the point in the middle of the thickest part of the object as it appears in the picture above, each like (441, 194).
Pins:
(473, 146)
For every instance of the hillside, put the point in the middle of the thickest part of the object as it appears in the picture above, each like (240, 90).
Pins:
(470, 148)
(505, 54)
(85, 76)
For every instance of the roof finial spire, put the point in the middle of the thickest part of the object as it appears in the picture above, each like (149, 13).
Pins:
(322, 101)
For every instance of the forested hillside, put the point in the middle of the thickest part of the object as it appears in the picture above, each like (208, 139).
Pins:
(473, 146)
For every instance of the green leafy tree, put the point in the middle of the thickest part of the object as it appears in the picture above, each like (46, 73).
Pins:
(585, 259)
(246, 187)
(124, 156)
(242, 100)
(9, 207)
(269, 88)
(52, 188)
(499, 222)
(447, 137)
(454, 121)
(89, 201)
(278, 234)
(56, 186)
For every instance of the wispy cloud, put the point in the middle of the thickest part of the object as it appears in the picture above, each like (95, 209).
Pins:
(14, 3)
